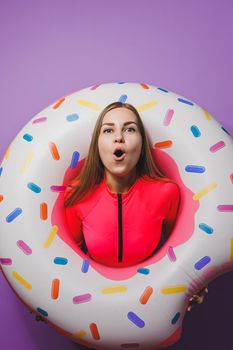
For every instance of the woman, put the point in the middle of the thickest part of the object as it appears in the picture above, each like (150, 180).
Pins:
(120, 204)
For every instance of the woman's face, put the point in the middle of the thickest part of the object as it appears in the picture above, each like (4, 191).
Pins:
(120, 142)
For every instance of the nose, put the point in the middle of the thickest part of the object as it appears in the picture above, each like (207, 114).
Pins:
(119, 137)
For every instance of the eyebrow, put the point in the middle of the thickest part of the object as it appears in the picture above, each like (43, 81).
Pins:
(125, 124)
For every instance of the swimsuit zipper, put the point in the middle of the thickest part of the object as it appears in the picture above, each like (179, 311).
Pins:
(120, 233)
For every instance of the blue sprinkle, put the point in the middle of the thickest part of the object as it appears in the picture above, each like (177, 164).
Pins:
(176, 318)
(136, 320)
(33, 187)
(1, 169)
(185, 101)
(72, 117)
(195, 131)
(13, 215)
(85, 266)
(121, 82)
(162, 89)
(60, 261)
(206, 228)
(42, 312)
(28, 137)
(195, 169)
(74, 160)
(225, 130)
(202, 262)
(123, 98)
(144, 271)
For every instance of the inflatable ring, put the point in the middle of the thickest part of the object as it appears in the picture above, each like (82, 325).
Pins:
(141, 306)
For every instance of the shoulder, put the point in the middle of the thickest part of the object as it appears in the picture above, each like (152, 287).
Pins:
(163, 186)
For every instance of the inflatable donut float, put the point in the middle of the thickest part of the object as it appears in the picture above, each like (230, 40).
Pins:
(137, 307)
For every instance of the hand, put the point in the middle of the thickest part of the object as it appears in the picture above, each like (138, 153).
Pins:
(197, 298)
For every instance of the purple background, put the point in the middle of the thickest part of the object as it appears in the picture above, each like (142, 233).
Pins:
(50, 48)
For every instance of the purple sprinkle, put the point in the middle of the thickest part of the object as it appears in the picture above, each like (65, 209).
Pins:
(202, 262)
(58, 188)
(225, 207)
(5, 261)
(171, 254)
(85, 266)
(39, 120)
(136, 320)
(82, 298)
(24, 247)
(217, 146)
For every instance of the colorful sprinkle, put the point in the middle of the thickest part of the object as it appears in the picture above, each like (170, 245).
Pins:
(185, 101)
(146, 295)
(111, 290)
(225, 207)
(204, 191)
(231, 177)
(231, 248)
(161, 89)
(217, 146)
(7, 153)
(5, 261)
(58, 104)
(1, 197)
(163, 144)
(72, 117)
(42, 312)
(89, 104)
(136, 320)
(146, 106)
(27, 162)
(54, 151)
(51, 237)
(206, 228)
(195, 131)
(207, 115)
(55, 188)
(39, 120)
(14, 214)
(44, 211)
(95, 87)
(79, 299)
(202, 262)
(195, 169)
(143, 271)
(24, 247)
(94, 331)
(225, 130)
(55, 288)
(33, 187)
(144, 86)
(168, 117)
(80, 334)
(130, 345)
(85, 266)
(28, 137)
(60, 261)
(174, 289)
(1, 169)
(21, 280)
(123, 98)
(74, 160)
(171, 254)
(176, 318)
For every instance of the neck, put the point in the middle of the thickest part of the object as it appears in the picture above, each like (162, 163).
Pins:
(120, 184)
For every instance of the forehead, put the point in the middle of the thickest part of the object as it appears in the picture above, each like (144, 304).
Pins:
(119, 115)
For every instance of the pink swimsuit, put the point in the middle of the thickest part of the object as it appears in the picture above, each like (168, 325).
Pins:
(124, 229)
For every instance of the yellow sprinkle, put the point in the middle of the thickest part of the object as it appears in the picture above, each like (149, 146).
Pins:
(27, 162)
(51, 237)
(207, 115)
(7, 153)
(80, 334)
(231, 256)
(21, 280)
(204, 191)
(89, 104)
(118, 289)
(146, 106)
(173, 290)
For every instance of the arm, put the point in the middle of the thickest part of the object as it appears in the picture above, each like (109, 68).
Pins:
(173, 207)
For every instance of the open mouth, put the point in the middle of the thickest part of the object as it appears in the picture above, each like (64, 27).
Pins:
(119, 154)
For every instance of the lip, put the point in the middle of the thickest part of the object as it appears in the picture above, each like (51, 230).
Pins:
(118, 159)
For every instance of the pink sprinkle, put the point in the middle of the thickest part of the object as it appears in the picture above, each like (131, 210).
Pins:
(168, 117)
(95, 87)
(225, 207)
(24, 247)
(217, 146)
(39, 120)
(171, 254)
(5, 261)
(58, 188)
(82, 298)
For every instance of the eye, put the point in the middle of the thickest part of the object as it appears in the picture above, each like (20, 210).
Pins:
(130, 129)
(107, 131)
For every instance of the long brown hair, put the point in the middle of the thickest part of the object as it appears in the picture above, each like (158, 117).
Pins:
(92, 172)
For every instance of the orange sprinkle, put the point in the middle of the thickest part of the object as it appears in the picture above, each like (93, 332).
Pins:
(57, 104)
(146, 295)
(144, 86)
(163, 144)
(1, 197)
(231, 177)
(94, 331)
(54, 151)
(55, 288)
(43, 211)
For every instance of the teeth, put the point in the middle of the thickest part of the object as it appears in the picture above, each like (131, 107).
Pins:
(118, 153)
